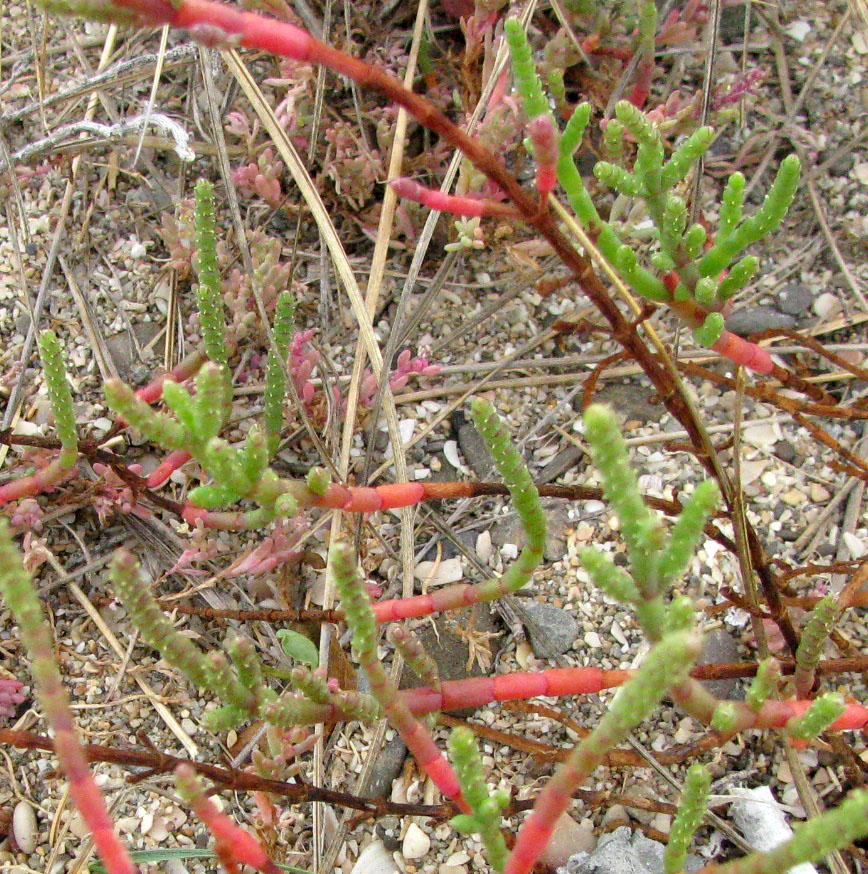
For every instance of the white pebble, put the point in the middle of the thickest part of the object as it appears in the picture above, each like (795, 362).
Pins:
(592, 639)
(416, 843)
(483, 546)
(375, 859)
(441, 573)
(24, 827)
(827, 305)
(855, 546)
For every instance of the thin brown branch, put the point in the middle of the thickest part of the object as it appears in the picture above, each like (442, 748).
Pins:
(231, 778)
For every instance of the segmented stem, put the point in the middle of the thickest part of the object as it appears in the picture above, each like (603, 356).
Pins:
(59, 396)
(19, 594)
(209, 293)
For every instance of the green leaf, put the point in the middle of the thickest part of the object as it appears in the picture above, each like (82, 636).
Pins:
(182, 854)
(299, 647)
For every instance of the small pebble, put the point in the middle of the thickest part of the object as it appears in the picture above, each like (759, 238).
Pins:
(24, 827)
(375, 859)
(416, 843)
(794, 497)
(483, 546)
(855, 545)
(819, 495)
(827, 305)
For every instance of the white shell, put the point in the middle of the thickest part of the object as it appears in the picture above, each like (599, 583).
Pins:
(375, 859)
(24, 827)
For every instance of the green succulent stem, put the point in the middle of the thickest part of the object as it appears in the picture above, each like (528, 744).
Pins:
(822, 621)
(485, 806)
(691, 811)
(363, 624)
(210, 672)
(274, 396)
(639, 526)
(527, 80)
(59, 396)
(523, 492)
(765, 684)
(209, 293)
(818, 717)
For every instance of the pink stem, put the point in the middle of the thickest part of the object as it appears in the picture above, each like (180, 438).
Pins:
(153, 391)
(456, 205)
(33, 485)
(233, 843)
(477, 691)
(172, 462)
(545, 145)
(19, 593)
(743, 352)
(367, 499)
(235, 521)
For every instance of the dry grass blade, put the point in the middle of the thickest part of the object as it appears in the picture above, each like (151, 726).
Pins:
(311, 197)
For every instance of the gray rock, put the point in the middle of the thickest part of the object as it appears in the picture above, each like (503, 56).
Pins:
(842, 165)
(550, 628)
(753, 319)
(796, 299)
(718, 647)
(561, 463)
(630, 400)
(123, 351)
(472, 446)
(623, 852)
(785, 450)
(387, 767)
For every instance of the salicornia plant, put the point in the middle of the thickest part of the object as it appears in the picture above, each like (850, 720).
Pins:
(688, 278)
(692, 279)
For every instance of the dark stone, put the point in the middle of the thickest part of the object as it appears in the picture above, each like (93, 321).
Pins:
(719, 647)
(473, 447)
(795, 299)
(387, 767)
(752, 320)
(785, 450)
(561, 463)
(388, 830)
(789, 534)
(842, 165)
(448, 549)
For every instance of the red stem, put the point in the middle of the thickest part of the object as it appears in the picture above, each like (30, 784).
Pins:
(172, 462)
(37, 483)
(469, 207)
(153, 391)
